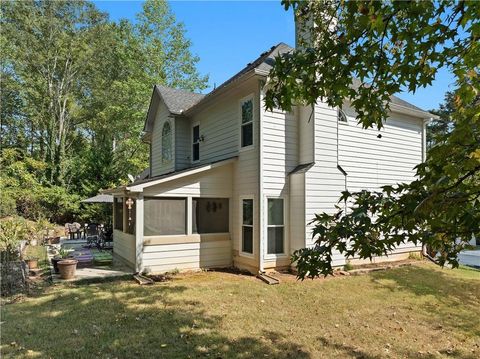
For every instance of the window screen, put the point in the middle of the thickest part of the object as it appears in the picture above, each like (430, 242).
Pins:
(247, 225)
(210, 215)
(247, 123)
(118, 213)
(275, 226)
(164, 216)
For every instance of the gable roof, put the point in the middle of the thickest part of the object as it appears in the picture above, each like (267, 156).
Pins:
(176, 100)
(182, 102)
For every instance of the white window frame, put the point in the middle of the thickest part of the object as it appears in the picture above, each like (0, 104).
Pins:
(165, 161)
(245, 99)
(339, 113)
(285, 229)
(193, 143)
(240, 251)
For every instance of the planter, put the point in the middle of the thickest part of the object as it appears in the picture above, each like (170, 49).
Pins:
(55, 263)
(67, 268)
(32, 263)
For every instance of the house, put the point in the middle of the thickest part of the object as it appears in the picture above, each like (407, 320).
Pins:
(231, 184)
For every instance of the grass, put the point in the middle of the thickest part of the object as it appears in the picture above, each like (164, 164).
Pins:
(416, 311)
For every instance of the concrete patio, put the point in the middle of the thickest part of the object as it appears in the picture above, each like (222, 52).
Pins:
(117, 269)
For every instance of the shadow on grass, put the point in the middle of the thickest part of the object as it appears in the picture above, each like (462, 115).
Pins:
(119, 319)
(443, 297)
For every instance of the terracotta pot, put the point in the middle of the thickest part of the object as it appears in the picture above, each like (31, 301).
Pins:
(67, 268)
(32, 263)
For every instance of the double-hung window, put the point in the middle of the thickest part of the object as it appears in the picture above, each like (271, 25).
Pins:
(246, 132)
(196, 143)
(275, 226)
(247, 226)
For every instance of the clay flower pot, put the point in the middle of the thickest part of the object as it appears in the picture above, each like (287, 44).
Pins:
(67, 268)
(32, 263)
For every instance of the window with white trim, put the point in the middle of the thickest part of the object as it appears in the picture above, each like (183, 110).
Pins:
(246, 130)
(247, 225)
(196, 143)
(275, 226)
(166, 142)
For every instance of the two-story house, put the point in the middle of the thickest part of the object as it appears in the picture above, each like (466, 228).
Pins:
(231, 184)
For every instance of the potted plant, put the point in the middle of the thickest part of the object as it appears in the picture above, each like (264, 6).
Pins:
(32, 262)
(67, 268)
(62, 254)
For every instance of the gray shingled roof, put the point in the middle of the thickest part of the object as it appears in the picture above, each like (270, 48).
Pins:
(178, 101)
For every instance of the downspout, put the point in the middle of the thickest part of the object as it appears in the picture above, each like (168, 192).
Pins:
(260, 178)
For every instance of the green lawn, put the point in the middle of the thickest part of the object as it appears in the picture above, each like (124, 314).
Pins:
(417, 311)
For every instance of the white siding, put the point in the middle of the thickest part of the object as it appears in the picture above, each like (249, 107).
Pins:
(124, 246)
(297, 212)
(372, 162)
(159, 168)
(183, 146)
(280, 151)
(187, 256)
(216, 182)
(369, 161)
(306, 134)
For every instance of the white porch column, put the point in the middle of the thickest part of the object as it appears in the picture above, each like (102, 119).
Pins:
(139, 233)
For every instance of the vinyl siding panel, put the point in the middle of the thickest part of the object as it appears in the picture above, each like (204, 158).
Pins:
(124, 246)
(370, 162)
(187, 256)
(183, 144)
(216, 182)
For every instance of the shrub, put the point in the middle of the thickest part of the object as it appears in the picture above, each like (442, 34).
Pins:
(13, 230)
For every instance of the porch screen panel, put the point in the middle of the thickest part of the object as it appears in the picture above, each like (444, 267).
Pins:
(164, 216)
(118, 213)
(210, 215)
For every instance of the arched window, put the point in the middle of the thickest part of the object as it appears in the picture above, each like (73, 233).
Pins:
(341, 116)
(166, 142)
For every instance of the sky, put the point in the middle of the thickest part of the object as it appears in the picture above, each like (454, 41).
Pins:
(227, 35)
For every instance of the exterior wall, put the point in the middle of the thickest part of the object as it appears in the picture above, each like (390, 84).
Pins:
(297, 212)
(124, 246)
(279, 156)
(191, 251)
(187, 253)
(216, 182)
(182, 143)
(370, 162)
(158, 167)
(306, 135)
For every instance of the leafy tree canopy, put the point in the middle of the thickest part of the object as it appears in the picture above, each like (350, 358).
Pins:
(362, 52)
(75, 91)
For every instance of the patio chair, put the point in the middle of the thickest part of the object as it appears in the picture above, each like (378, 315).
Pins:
(92, 235)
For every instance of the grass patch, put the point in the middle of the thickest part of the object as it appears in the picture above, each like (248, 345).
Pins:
(415, 311)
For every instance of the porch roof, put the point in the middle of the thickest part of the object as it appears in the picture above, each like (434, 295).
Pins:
(139, 185)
